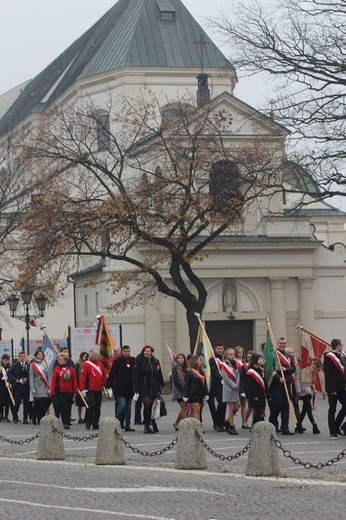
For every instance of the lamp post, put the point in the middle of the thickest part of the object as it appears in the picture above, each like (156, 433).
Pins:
(13, 301)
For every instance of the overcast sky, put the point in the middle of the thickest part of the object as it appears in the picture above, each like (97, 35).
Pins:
(34, 32)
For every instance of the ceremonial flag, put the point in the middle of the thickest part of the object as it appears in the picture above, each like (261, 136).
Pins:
(204, 350)
(171, 353)
(105, 341)
(270, 360)
(313, 350)
(50, 353)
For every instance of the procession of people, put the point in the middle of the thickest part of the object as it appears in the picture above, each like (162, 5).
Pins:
(243, 387)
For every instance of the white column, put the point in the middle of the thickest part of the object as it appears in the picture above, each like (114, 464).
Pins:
(277, 310)
(306, 303)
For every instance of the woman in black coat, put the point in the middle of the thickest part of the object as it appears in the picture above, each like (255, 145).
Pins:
(195, 389)
(256, 387)
(147, 382)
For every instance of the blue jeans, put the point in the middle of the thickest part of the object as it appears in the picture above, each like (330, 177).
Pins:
(124, 409)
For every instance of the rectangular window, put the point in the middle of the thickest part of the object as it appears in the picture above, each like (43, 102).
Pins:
(86, 305)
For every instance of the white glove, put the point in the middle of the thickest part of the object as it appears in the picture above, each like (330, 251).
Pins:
(110, 392)
(135, 397)
(84, 393)
(206, 398)
(185, 399)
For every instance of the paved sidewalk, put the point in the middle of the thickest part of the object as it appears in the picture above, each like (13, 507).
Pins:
(150, 487)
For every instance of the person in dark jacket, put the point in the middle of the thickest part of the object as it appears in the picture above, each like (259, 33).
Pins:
(335, 378)
(179, 368)
(5, 400)
(195, 390)
(217, 413)
(256, 387)
(18, 377)
(120, 380)
(147, 382)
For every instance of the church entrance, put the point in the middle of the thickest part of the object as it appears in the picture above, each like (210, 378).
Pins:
(231, 332)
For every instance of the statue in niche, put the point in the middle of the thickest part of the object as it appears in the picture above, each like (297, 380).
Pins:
(229, 300)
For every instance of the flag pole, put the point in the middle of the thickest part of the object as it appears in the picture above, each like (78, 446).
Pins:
(7, 385)
(298, 326)
(84, 401)
(294, 419)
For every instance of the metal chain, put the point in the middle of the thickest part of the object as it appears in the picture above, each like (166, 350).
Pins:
(11, 441)
(146, 453)
(74, 438)
(308, 465)
(219, 456)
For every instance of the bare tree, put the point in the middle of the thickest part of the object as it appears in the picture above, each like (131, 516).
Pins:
(135, 187)
(300, 43)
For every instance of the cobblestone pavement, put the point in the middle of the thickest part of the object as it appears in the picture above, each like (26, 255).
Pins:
(150, 487)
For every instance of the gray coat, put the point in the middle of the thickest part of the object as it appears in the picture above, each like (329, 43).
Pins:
(178, 381)
(37, 387)
(229, 392)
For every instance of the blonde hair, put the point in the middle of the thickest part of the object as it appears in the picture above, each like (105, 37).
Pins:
(63, 356)
(224, 355)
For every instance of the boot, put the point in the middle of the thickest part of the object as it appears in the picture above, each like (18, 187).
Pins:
(315, 429)
(155, 428)
(299, 428)
(147, 429)
(232, 430)
(128, 428)
(226, 426)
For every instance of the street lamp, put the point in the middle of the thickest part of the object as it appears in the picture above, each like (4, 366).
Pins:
(13, 301)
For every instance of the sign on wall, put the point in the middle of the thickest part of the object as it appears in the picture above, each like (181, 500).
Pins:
(83, 339)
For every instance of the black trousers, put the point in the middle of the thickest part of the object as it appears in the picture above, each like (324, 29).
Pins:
(217, 412)
(279, 405)
(334, 423)
(21, 393)
(94, 410)
(65, 403)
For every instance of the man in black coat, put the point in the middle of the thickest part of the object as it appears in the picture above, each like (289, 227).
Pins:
(335, 380)
(18, 377)
(279, 402)
(217, 413)
(121, 381)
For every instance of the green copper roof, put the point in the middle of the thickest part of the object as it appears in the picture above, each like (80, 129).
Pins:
(133, 33)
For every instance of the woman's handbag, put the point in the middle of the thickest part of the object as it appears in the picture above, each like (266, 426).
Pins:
(163, 410)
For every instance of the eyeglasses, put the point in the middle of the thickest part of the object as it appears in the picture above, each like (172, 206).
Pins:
(282, 343)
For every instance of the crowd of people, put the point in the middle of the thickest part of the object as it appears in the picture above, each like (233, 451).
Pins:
(238, 383)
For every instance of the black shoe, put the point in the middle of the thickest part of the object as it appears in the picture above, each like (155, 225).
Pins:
(25, 422)
(277, 430)
(155, 428)
(80, 421)
(334, 436)
(287, 432)
(339, 433)
(147, 429)
(129, 429)
(315, 429)
(6, 419)
(96, 427)
(245, 427)
(87, 426)
(72, 419)
(232, 430)
(67, 427)
(299, 428)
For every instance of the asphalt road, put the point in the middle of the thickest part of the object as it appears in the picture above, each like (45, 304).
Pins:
(150, 487)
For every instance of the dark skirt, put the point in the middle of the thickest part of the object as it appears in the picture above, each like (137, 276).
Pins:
(78, 400)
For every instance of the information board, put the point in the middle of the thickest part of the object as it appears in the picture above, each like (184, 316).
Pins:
(83, 339)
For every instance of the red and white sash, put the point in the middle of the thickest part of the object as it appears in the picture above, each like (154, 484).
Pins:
(285, 361)
(239, 363)
(94, 366)
(337, 363)
(257, 377)
(228, 370)
(40, 373)
(197, 374)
